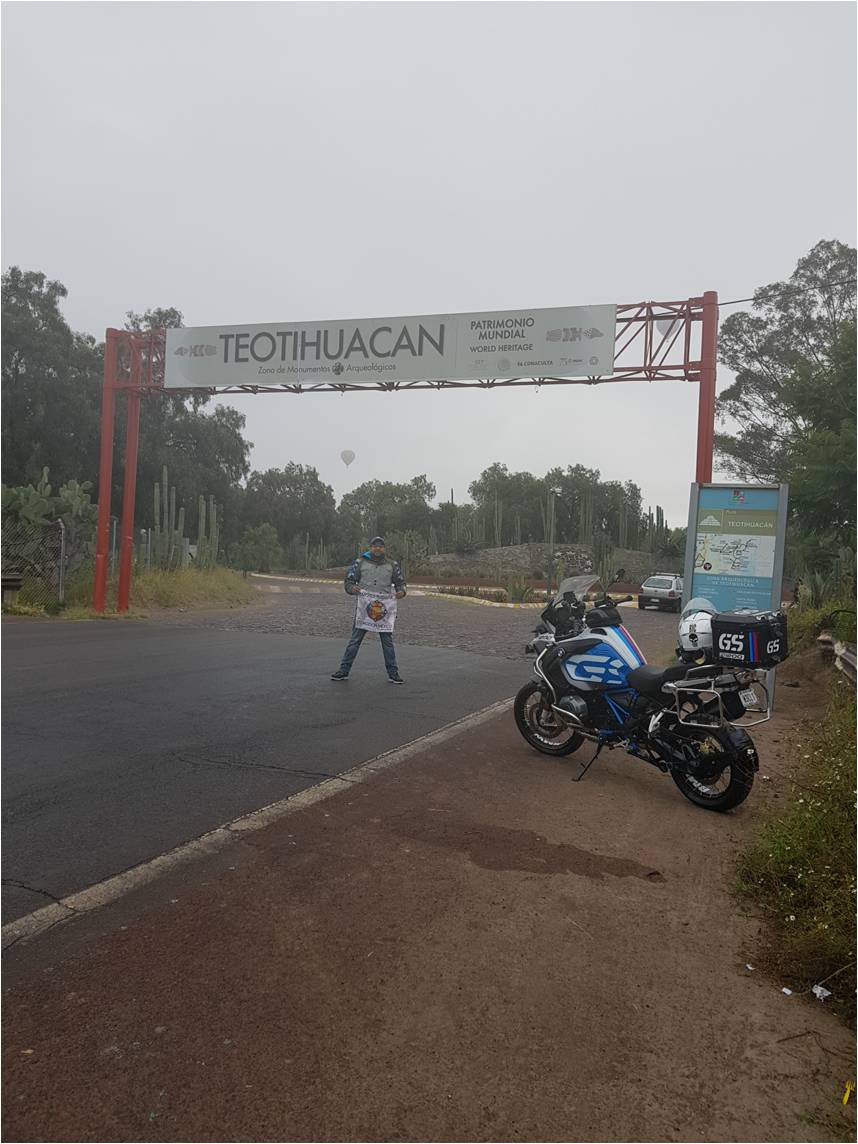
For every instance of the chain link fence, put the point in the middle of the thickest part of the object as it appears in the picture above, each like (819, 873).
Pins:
(35, 554)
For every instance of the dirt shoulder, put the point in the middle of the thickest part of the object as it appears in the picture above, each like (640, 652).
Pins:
(469, 946)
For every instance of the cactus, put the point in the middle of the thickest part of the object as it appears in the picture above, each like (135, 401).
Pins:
(548, 519)
(623, 525)
(585, 518)
(157, 537)
(214, 531)
(163, 552)
(169, 543)
(497, 522)
(208, 539)
(201, 532)
(166, 547)
(650, 531)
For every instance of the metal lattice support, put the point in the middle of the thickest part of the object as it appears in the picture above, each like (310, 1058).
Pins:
(654, 341)
(36, 553)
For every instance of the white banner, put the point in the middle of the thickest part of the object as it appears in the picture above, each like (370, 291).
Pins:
(573, 341)
(375, 613)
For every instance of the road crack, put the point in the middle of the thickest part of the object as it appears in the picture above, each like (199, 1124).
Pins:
(35, 890)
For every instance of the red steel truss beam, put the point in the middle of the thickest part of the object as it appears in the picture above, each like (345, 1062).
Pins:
(655, 341)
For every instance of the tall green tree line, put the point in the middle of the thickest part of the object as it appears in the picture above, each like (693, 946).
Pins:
(51, 404)
(790, 414)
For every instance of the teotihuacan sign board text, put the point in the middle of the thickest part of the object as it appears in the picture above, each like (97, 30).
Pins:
(559, 342)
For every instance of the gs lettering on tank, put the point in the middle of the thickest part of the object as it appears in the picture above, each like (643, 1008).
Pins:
(605, 665)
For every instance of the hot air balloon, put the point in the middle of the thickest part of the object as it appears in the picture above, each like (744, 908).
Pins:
(347, 457)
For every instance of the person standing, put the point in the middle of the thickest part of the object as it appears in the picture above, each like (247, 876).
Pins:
(373, 572)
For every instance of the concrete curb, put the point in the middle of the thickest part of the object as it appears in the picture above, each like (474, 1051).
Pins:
(426, 590)
(474, 600)
(102, 893)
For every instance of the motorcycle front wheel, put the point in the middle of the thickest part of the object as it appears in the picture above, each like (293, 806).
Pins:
(715, 768)
(541, 726)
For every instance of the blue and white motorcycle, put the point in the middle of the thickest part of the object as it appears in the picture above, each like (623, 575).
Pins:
(592, 684)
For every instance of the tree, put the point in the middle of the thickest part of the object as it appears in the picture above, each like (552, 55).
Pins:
(383, 506)
(205, 452)
(510, 504)
(293, 499)
(258, 550)
(794, 393)
(51, 393)
(51, 396)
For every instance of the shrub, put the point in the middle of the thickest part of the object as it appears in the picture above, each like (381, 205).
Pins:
(801, 868)
(22, 610)
(257, 550)
(518, 590)
(805, 623)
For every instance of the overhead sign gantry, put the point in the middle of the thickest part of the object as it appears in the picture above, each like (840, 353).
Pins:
(583, 345)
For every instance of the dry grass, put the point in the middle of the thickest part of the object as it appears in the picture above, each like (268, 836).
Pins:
(186, 588)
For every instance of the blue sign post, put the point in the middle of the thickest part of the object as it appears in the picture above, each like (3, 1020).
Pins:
(734, 554)
(735, 549)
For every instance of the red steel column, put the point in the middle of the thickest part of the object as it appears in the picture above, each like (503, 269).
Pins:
(706, 394)
(129, 493)
(105, 471)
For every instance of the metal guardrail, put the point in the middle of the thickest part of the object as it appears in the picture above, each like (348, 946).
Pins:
(844, 654)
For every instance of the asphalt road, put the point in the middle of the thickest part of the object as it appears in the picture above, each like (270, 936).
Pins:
(124, 739)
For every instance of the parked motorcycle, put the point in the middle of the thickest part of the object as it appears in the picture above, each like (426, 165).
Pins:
(564, 615)
(592, 684)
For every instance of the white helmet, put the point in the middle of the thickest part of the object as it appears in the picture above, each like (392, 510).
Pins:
(695, 630)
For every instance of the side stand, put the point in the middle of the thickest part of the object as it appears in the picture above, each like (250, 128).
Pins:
(584, 767)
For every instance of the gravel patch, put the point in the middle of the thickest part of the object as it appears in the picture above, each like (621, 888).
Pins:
(323, 610)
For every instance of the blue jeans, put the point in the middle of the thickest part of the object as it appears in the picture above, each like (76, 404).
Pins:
(354, 647)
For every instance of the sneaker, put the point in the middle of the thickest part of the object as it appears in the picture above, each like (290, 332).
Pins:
(396, 678)
(338, 675)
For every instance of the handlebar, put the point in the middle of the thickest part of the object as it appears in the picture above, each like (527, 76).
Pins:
(608, 602)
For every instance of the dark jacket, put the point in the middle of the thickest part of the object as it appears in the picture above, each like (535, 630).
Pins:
(376, 573)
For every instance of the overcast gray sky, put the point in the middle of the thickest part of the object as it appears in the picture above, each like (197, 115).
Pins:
(288, 162)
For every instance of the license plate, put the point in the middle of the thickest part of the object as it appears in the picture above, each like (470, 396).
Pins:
(749, 697)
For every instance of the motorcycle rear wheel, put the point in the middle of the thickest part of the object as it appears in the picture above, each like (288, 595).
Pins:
(543, 729)
(719, 787)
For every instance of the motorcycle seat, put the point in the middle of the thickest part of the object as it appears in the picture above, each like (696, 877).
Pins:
(649, 680)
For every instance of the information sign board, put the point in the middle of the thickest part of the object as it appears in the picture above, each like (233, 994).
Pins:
(576, 341)
(735, 549)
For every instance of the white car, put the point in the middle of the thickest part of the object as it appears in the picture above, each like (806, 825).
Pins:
(664, 590)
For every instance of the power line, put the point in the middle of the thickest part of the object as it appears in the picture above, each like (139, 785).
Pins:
(792, 290)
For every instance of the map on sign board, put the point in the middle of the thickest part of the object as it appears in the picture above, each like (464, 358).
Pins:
(735, 544)
(735, 547)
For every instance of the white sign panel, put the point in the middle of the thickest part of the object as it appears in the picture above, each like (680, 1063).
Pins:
(561, 342)
(375, 613)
